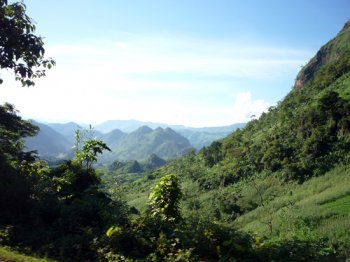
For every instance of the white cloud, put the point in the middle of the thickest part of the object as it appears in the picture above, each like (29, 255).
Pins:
(245, 107)
(161, 79)
(171, 54)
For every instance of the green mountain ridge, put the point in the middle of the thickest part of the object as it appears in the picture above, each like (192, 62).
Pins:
(128, 126)
(143, 142)
(112, 138)
(138, 145)
(118, 129)
(198, 136)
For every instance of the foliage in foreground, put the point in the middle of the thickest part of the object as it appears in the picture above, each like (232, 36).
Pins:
(21, 50)
(54, 211)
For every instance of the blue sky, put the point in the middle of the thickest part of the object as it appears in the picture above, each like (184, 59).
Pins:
(191, 62)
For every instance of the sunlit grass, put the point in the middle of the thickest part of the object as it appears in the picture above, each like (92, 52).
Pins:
(322, 204)
(7, 255)
(340, 205)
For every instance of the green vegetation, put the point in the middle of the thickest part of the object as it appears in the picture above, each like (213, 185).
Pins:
(142, 143)
(277, 190)
(139, 145)
(283, 179)
(165, 198)
(133, 166)
(58, 211)
(7, 255)
(340, 205)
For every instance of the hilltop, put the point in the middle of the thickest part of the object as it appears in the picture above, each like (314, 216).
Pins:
(143, 142)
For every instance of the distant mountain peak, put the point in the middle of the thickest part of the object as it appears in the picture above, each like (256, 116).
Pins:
(116, 131)
(145, 141)
(153, 162)
(144, 130)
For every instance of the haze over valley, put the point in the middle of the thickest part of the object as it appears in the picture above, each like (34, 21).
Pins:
(129, 140)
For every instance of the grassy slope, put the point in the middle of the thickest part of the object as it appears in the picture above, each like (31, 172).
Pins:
(7, 255)
(275, 210)
(321, 203)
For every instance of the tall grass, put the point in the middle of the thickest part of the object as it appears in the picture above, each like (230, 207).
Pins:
(9, 255)
(320, 206)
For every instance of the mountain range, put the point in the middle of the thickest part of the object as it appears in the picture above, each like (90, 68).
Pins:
(128, 139)
(198, 137)
(143, 142)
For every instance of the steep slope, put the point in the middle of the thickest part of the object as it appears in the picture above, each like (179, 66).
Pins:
(330, 62)
(48, 142)
(67, 129)
(285, 175)
(153, 162)
(309, 131)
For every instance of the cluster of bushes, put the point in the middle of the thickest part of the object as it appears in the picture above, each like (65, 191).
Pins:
(55, 211)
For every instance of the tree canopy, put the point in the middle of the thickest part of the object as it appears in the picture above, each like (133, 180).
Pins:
(21, 51)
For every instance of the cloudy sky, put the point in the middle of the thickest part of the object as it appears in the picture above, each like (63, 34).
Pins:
(191, 62)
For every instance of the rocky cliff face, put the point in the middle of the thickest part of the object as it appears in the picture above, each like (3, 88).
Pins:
(327, 60)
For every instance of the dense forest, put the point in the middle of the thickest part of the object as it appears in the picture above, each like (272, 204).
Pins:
(276, 190)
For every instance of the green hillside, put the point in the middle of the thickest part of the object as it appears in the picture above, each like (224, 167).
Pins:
(284, 178)
(7, 255)
(112, 138)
